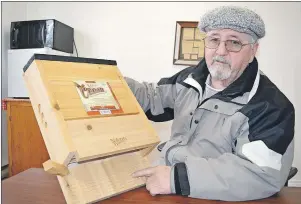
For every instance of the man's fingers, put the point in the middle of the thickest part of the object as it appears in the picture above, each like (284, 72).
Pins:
(150, 186)
(150, 180)
(143, 172)
(153, 194)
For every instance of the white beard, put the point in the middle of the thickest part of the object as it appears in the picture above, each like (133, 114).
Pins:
(220, 71)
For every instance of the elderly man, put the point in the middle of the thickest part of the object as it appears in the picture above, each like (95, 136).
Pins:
(233, 129)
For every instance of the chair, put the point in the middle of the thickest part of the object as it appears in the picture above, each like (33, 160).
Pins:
(292, 173)
(160, 146)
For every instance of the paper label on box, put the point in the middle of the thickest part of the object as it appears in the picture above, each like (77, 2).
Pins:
(97, 97)
(105, 112)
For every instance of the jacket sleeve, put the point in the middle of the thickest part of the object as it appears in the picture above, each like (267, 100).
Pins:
(257, 169)
(156, 99)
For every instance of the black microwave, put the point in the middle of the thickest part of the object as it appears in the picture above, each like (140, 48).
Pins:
(42, 33)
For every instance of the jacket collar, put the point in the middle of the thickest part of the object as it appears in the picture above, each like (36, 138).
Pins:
(240, 86)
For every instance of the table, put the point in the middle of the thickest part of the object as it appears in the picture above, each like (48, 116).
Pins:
(36, 186)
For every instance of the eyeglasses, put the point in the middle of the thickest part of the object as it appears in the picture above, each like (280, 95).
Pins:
(231, 45)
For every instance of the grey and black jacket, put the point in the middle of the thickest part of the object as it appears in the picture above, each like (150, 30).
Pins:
(236, 145)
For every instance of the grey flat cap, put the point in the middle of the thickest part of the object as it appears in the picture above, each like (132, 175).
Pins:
(235, 18)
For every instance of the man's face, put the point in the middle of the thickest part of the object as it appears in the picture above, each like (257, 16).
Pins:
(224, 64)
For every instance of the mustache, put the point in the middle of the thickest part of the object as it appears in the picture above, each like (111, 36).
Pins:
(221, 59)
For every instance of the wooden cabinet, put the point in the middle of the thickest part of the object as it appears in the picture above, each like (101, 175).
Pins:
(26, 147)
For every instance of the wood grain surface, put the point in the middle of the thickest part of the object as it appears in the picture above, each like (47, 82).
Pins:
(36, 186)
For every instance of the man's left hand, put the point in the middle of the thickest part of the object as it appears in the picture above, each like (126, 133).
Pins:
(157, 179)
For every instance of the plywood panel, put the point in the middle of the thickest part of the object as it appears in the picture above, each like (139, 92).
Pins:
(59, 80)
(98, 180)
(57, 141)
(112, 135)
(77, 70)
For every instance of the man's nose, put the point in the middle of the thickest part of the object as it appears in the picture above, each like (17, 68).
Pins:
(221, 49)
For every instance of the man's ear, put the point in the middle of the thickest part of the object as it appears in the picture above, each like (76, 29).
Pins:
(254, 51)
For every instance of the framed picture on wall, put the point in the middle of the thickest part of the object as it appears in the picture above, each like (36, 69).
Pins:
(189, 46)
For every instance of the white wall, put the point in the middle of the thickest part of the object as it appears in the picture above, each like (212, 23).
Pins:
(279, 58)
(11, 11)
(140, 36)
